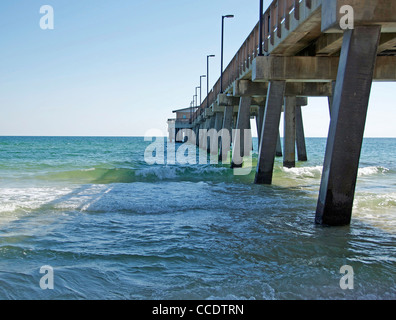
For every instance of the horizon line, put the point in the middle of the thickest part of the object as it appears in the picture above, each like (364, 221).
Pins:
(135, 136)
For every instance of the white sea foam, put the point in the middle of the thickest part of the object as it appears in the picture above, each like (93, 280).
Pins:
(173, 172)
(304, 172)
(316, 172)
(368, 171)
(376, 209)
(159, 172)
(17, 201)
(28, 198)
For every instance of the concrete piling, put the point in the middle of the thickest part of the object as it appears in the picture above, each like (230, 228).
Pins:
(227, 126)
(289, 142)
(270, 132)
(242, 124)
(300, 136)
(348, 117)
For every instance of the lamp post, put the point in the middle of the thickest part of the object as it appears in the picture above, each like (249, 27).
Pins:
(191, 110)
(261, 24)
(200, 89)
(196, 95)
(207, 77)
(222, 48)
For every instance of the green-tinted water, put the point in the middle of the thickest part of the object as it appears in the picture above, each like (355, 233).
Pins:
(112, 226)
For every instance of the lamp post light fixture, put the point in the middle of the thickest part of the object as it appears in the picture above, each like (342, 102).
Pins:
(207, 77)
(222, 48)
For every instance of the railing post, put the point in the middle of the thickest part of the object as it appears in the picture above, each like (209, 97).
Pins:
(280, 17)
(297, 9)
(272, 21)
(266, 30)
(288, 6)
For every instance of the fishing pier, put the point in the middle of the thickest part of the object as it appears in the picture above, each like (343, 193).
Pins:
(301, 49)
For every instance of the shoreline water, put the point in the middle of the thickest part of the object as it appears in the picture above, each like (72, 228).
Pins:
(113, 227)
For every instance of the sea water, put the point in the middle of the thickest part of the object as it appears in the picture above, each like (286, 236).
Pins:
(113, 227)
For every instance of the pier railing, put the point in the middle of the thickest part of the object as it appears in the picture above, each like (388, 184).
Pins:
(278, 13)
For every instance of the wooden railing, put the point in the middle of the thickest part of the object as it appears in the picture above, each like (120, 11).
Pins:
(278, 13)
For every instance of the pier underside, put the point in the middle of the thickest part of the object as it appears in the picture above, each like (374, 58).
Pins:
(306, 54)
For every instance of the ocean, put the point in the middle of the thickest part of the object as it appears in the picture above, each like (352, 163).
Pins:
(112, 226)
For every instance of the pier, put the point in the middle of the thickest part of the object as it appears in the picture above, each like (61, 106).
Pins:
(301, 49)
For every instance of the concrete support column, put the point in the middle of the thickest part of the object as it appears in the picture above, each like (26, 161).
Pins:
(218, 123)
(279, 152)
(227, 126)
(243, 122)
(270, 132)
(300, 136)
(259, 121)
(289, 144)
(171, 135)
(330, 98)
(196, 131)
(178, 135)
(203, 136)
(234, 120)
(200, 126)
(348, 117)
(211, 125)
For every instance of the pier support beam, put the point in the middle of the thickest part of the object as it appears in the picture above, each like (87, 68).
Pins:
(270, 132)
(279, 152)
(289, 144)
(210, 125)
(197, 134)
(259, 121)
(348, 117)
(218, 123)
(227, 126)
(203, 137)
(243, 123)
(300, 136)
(199, 137)
(179, 135)
(330, 98)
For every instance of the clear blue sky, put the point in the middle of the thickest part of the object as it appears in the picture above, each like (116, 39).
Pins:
(119, 67)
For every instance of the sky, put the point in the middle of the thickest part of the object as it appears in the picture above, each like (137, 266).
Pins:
(119, 67)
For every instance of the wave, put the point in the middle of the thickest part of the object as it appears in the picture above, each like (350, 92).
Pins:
(19, 202)
(129, 175)
(174, 172)
(376, 201)
(316, 171)
(194, 173)
(304, 172)
(368, 171)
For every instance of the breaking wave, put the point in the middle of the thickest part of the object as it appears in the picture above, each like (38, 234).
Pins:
(368, 171)
(316, 171)
(148, 174)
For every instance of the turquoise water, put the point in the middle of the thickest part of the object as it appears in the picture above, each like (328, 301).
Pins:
(113, 227)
